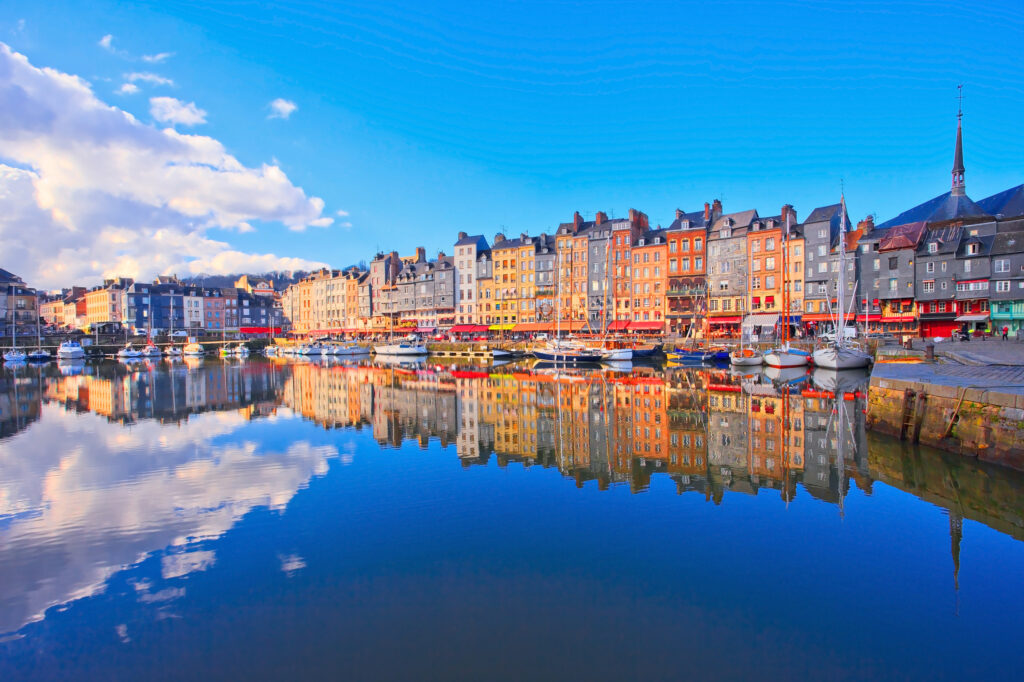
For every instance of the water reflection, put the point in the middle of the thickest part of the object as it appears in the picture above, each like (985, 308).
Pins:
(103, 466)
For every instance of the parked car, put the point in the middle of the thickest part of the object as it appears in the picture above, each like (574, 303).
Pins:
(848, 333)
(540, 337)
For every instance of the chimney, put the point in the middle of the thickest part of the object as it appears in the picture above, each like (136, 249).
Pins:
(525, 238)
(867, 225)
(716, 208)
(788, 209)
(440, 255)
(499, 238)
(421, 254)
(600, 217)
(638, 218)
(679, 213)
(707, 211)
(462, 235)
(577, 220)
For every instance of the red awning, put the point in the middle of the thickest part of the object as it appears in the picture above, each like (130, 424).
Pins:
(724, 320)
(464, 328)
(424, 330)
(533, 327)
(619, 326)
(646, 326)
(481, 328)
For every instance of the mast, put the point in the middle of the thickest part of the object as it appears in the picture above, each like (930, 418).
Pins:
(841, 295)
(785, 282)
(604, 323)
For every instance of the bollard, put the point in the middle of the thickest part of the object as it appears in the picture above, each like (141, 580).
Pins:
(929, 352)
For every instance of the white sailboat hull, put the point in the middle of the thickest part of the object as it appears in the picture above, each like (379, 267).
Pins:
(617, 355)
(785, 358)
(741, 360)
(400, 349)
(841, 358)
(15, 356)
(70, 353)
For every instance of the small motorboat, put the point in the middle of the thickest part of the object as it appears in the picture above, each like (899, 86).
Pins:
(173, 352)
(39, 355)
(129, 352)
(70, 350)
(151, 351)
(785, 356)
(194, 350)
(746, 357)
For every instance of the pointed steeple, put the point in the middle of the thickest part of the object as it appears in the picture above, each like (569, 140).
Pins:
(958, 156)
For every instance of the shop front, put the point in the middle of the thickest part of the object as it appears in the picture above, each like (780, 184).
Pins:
(1008, 314)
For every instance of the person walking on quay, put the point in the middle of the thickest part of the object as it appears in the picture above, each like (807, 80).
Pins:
(1006, 333)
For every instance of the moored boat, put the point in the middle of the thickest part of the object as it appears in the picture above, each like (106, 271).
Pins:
(70, 350)
(400, 349)
(129, 352)
(746, 357)
(194, 350)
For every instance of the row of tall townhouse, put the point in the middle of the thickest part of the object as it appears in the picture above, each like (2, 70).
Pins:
(943, 265)
(163, 305)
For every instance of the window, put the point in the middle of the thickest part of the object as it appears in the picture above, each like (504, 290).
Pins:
(933, 247)
(769, 263)
(755, 265)
(972, 249)
(929, 287)
(755, 246)
(943, 268)
(894, 284)
(755, 283)
(1002, 265)
(769, 244)
(967, 266)
(929, 267)
(769, 282)
(822, 249)
(876, 265)
(1003, 286)
(821, 233)
(894, 262)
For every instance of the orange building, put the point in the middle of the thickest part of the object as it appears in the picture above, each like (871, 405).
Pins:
(650, 282)
(687, 257)
(625, 234)
(768, 273)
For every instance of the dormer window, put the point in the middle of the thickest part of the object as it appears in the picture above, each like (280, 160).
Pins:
(933, 247)
(725, 233)
(972, 249)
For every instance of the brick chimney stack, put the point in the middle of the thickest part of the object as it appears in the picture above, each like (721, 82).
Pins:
(499, 238)
(421, 254)
(707, 212)
(638, 218)
(577, 220)
(679, 213)
(600, 217)
(788, 209)
(462, 235)
(716, 209)
(867, 225)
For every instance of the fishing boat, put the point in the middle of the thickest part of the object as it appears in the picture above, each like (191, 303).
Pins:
(151, 351)
(314, 348)
(70, 350)
(784, 355)
(840, 353)
(561, 351)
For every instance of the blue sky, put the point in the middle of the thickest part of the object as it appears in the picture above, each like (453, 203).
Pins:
(419, 123)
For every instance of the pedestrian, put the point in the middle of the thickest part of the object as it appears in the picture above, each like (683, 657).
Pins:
(1006, 333)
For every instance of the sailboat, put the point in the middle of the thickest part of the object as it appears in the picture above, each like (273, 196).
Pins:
(150, 351)
(15, 354)
(129, 352)
(840, 353)
(557, 350)
(391, 348)
(39, 354)
(172, 350)
(784, 355)
(608, 353)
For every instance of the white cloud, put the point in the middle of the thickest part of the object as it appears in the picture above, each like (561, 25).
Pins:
(146, 77)
(170, 110)
(342, 214)
(107, 42)
(115, 196)
(157, 58)
(282, 108)
(128, 89)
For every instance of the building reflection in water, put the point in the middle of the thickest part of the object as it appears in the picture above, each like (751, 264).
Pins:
(164, 475)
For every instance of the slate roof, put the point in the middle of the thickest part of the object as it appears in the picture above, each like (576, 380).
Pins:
(9, 277)
(473, 239)
(942, 208)
(946, 238)
(823, 214)
(1007, 204)
(984, 243)
(906, 236)
(696, 220)
(1008, 242)
(739, 219)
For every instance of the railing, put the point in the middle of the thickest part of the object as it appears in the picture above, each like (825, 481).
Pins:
(685, 292)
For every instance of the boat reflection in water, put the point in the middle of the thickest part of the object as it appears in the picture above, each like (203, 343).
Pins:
(150, 506)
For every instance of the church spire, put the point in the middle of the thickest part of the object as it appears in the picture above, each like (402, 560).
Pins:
(958, 156)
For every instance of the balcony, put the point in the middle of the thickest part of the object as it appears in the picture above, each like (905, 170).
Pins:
(685, 291)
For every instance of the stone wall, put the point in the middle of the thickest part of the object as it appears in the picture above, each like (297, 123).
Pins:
(988, 425)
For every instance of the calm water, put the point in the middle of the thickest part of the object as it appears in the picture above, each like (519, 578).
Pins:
(226, 520)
